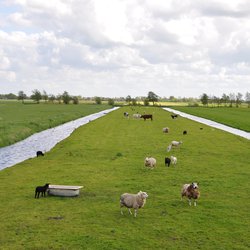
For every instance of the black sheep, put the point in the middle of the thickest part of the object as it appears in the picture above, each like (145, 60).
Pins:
(41, 189)
(167, 161)
(39, 153)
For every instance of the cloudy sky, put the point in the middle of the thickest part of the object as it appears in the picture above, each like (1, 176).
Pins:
(116, 48)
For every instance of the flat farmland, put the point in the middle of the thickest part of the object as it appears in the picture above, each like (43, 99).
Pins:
(106, 156)
(235, 117)
(18, 121)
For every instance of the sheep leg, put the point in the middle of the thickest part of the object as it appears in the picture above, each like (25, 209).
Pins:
(135, 212)
(189, 201)
(195, 203)
(129, 211)
(121, 212)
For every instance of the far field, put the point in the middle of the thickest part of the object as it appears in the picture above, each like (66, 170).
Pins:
(18, 121)
(106, 156)
(235, 117)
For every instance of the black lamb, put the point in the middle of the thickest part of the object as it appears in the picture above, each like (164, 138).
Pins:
(41, 189)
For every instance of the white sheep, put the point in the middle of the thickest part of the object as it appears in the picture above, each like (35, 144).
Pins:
(169, 147)
(173, 159)
(176, 143)
(136, 116)
(191, 191)
(165, 130)
(134, 201)
(150, 162)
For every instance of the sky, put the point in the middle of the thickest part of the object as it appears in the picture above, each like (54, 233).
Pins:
(116, 48)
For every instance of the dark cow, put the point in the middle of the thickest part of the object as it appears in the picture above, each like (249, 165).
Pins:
(147, 117)
(39, 153)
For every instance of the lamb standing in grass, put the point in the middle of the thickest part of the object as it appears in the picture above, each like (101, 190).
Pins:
(191, 191)
(150, 162)
(134, 201)
(173, 159)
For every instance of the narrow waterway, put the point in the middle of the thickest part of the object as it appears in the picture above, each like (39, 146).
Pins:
(210, 123)
(43, 141)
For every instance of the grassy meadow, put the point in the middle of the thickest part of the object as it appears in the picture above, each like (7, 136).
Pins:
(18, 121)
(106, 156)
(235, 117)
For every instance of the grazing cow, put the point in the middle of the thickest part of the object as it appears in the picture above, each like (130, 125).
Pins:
(147, 117)
(174, 116)
(41, 189)
(39, 153)
(191, 191)
(167, 161)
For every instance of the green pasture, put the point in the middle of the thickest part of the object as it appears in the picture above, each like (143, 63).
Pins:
(106, 156)
(18, 121)
(235, 117)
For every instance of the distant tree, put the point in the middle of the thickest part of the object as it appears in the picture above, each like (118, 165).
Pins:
(66, 97)
(111, 102)
(75, 100)
(134, 102)
(45, 96)
(59, 98)
(146, 102)
(231, 99)
(152, 97)
(238, 99)
(128, 99)
(247, 99)
(225, 99)
(204, 99)
(21, 96)
(98, 100)
(52, 98)
(36, 96)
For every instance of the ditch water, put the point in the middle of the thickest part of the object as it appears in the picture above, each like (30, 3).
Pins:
(43, 141)
(210, 123)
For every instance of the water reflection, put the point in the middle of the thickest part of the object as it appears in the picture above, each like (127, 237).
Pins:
(44, 141)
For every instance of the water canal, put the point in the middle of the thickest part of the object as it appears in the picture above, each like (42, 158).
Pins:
(43, 141)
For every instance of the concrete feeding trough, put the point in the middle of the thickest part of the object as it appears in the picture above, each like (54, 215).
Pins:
(63, 190)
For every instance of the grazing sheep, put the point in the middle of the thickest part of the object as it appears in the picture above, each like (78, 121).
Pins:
(126, 114)
(174, 116)
(39, 153)
(173, 160)
(41, 189)
(184, 132)
(176, 143)
(169, 147)
(136, 116)
(191, 191)
(173, 144)
(150, 162)
(167, 161)
(165, 130)
(134, 201)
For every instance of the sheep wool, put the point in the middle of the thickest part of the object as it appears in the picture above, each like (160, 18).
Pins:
(134, 201)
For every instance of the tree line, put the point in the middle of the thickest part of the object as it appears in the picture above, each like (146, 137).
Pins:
(226, 99)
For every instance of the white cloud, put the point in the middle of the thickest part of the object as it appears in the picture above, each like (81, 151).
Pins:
(120, 48)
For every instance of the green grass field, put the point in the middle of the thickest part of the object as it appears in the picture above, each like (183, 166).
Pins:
(235, 117)
(106, 156)
(18, 121)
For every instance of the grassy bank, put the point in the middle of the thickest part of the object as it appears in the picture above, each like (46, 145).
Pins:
(106, 157)
(235, 117)
(18, 121)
